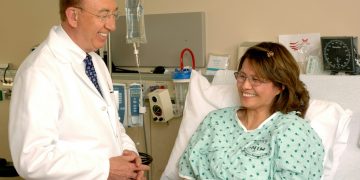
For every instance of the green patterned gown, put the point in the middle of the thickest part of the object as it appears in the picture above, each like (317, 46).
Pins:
(284, 146)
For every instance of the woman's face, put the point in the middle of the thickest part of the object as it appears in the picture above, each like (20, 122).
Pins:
(255, 93)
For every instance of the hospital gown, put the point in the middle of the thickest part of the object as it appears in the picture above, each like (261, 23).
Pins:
(284, 146)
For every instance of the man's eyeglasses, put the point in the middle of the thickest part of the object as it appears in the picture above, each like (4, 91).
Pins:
(103, 16)
(254, 81)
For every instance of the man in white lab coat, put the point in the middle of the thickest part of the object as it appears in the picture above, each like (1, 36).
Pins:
(61, 126)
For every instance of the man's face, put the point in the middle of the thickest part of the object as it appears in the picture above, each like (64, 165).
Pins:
(95, 22)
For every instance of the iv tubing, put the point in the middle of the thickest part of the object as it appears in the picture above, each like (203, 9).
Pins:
(136, 53)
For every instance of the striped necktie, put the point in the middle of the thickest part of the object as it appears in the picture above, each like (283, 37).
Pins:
(90, 72)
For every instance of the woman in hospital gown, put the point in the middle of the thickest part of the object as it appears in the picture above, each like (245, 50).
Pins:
(265, 138)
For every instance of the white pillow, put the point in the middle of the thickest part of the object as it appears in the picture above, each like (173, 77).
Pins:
(328, 119)
(202, 97)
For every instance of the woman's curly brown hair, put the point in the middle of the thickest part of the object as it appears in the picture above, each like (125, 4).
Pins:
(272, 61)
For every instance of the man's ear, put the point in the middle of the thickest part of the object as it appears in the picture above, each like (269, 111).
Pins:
(72, 16)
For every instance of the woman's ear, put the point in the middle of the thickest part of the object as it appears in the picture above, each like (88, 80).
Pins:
(281, 89)
(72, 16)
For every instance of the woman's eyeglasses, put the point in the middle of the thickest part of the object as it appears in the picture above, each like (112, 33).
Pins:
(254, 81)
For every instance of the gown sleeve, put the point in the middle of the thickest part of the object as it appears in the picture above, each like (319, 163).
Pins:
(299, 154)
(200, 139)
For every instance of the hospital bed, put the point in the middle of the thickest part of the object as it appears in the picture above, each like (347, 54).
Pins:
(334, 113)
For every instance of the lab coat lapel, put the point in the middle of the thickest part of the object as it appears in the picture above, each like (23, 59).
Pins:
(57, 44)
(80, 72)
(105, 85)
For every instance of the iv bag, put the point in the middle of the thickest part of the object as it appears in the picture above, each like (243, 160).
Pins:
(135, 27)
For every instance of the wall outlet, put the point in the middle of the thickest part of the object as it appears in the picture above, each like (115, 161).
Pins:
(9, 82)
(6, 93)
(4, 65)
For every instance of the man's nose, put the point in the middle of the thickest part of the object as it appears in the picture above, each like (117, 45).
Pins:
(111, 24)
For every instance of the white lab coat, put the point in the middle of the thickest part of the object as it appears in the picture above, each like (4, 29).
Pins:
(60, 126)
